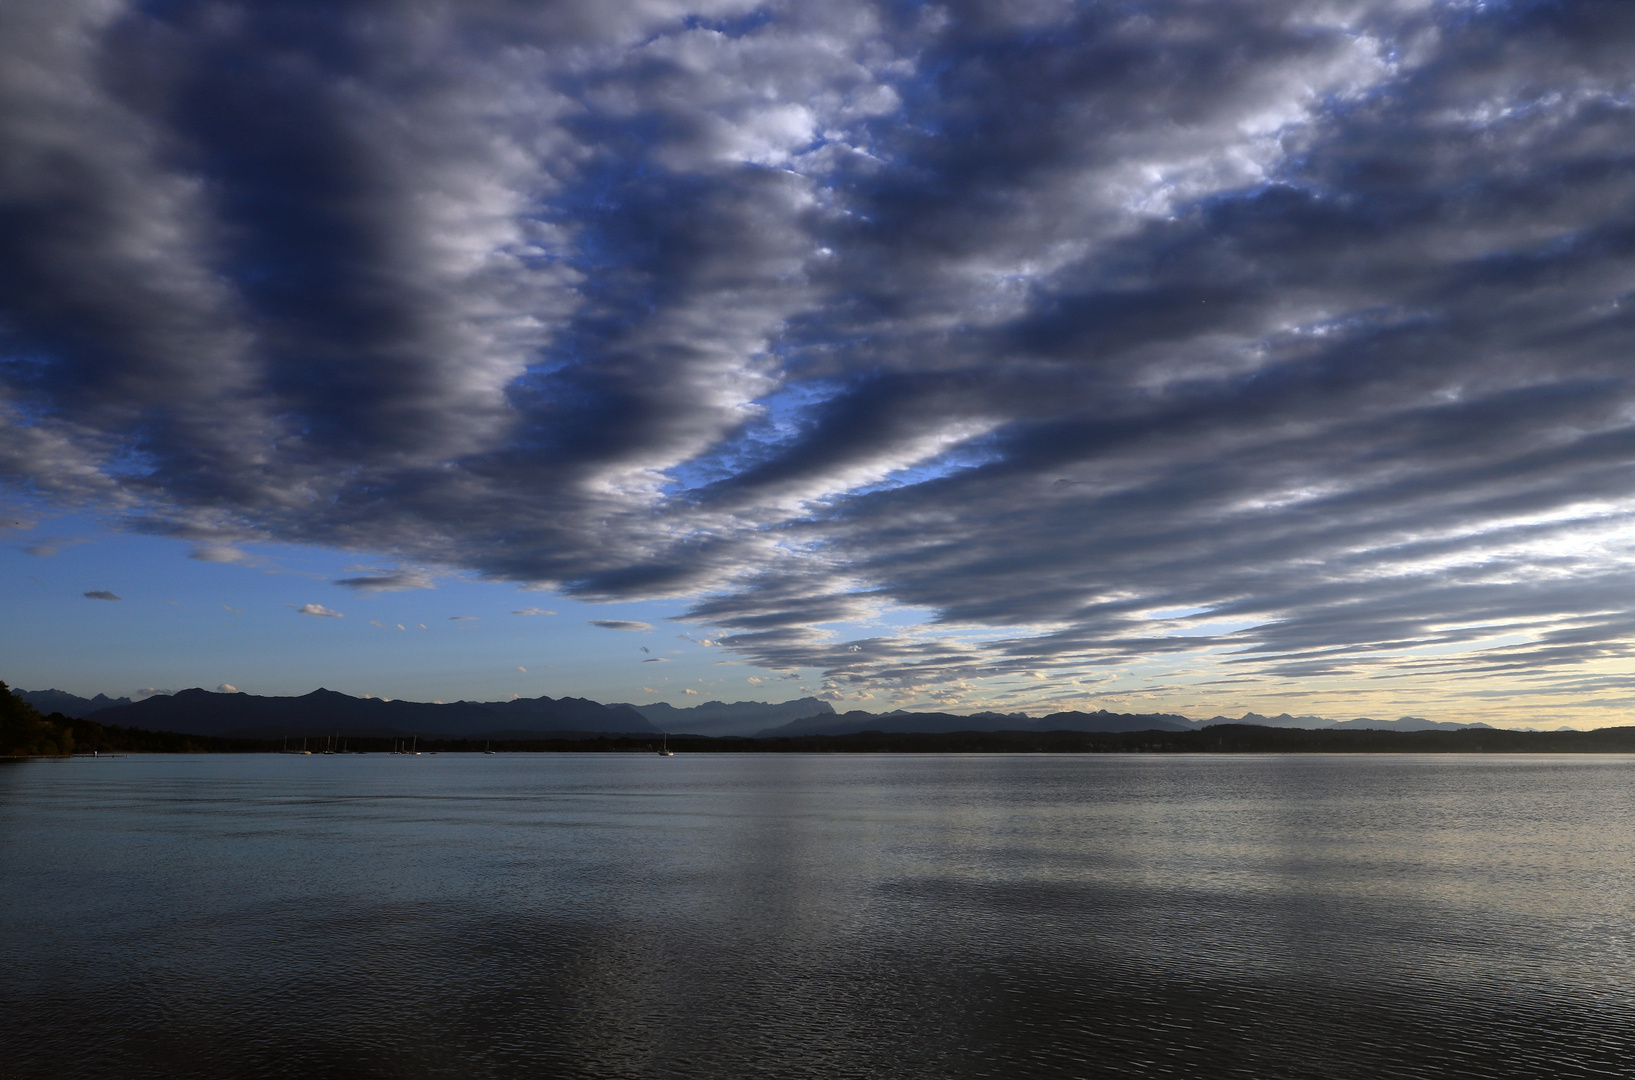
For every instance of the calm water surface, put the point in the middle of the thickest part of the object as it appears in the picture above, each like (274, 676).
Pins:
(817, 916)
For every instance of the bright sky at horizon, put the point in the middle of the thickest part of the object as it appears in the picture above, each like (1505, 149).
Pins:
(1268, 355)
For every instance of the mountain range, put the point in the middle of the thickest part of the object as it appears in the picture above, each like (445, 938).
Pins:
(325, 712)
(1099, 721)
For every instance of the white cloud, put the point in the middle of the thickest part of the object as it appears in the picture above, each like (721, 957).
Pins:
(318, 611)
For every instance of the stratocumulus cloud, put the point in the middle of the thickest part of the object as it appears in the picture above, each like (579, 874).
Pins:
(317, 611)
(621, 624)
(1288, 334)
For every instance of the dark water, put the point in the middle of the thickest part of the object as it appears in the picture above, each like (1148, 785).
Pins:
(817, 916)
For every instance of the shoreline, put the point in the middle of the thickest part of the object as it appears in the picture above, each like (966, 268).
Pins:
(1218, 739)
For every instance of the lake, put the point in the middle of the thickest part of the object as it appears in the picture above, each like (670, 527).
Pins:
(788, 915)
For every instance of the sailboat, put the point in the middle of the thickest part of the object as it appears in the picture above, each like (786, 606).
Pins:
(665, 751)
(486, 746)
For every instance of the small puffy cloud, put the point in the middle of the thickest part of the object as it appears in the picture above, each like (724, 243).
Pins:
(533, 611)
(100, 594)
(755, 679)
(376, 622)
(227, 688)
(151, 691)
(621, 624)
(521, 668)
(318, 611)
(694, 693)
(373, 580)
(219, 553)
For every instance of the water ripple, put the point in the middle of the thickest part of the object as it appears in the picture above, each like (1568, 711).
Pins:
(824, 916)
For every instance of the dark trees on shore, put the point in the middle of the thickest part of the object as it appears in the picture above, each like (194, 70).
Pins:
(25, 733)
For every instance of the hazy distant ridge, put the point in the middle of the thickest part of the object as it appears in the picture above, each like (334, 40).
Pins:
(1099, 721)
(937, 723)
(738, 718)
(1401, 723)
(61, 701)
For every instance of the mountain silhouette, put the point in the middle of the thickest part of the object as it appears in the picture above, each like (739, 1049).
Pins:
(324, 712)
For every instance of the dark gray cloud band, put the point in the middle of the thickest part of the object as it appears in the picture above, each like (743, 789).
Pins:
(1293, 336)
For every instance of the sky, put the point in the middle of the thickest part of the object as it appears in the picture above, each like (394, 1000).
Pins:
(1153, 356)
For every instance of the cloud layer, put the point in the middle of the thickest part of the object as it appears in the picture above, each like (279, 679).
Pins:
(1291, 336)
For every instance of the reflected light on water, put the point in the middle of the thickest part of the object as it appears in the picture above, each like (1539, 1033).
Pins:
(817, 916)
